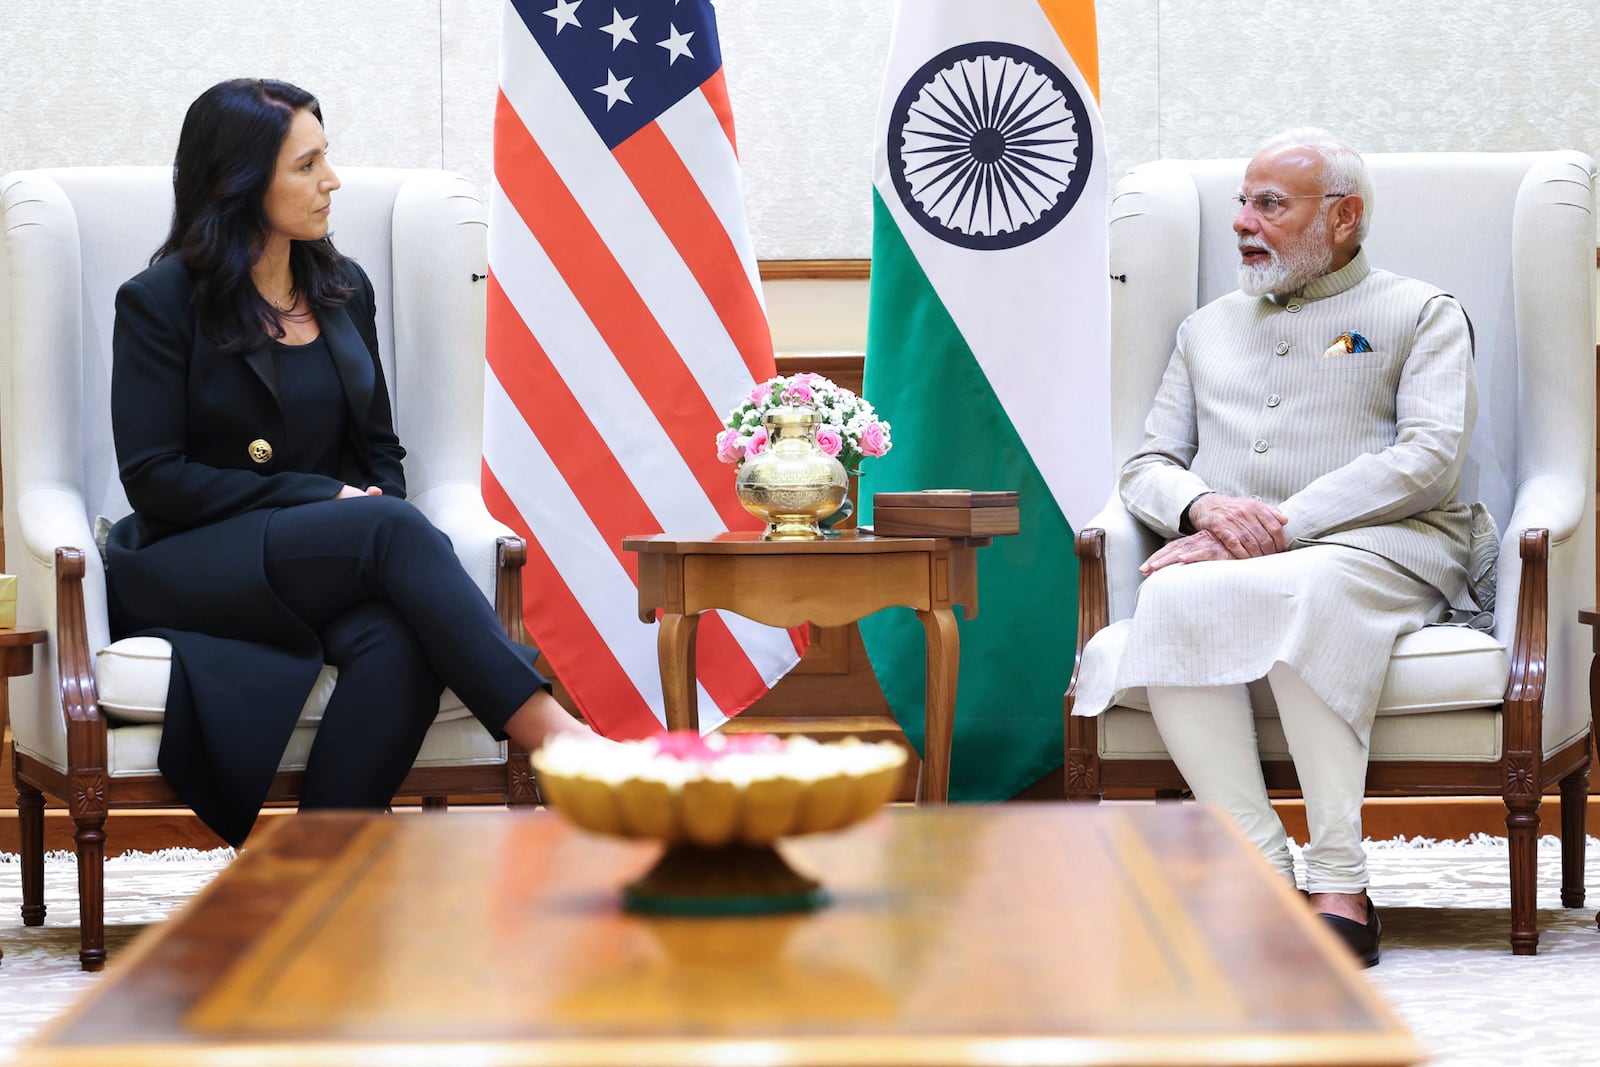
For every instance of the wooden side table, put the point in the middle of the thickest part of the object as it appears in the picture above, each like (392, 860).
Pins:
(1590, 617)
(16, 659)
(830, 582)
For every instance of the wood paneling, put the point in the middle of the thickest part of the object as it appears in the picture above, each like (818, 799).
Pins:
(815, 269)
(842, 368)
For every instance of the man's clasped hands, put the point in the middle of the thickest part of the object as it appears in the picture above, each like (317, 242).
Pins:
(1226, 527)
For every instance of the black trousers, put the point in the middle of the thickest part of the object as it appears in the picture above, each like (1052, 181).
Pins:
(401, 621)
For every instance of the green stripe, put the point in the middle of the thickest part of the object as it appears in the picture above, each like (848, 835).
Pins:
(950, 431)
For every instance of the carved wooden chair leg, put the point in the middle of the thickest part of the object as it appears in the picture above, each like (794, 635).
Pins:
(1082, 756)
(30, 833)
(1522, 830)
(1574, 828)
(90, 838)
(435, 803)
(522, 788)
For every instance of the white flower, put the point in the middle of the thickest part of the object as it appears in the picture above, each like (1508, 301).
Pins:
(841, 411)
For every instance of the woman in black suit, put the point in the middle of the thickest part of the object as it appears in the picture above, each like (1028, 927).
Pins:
(270, 531)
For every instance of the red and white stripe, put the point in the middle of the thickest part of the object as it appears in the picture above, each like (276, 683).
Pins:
(624, 320)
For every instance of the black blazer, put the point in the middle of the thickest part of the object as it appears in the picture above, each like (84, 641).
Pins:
(189, 423)
(185, 415)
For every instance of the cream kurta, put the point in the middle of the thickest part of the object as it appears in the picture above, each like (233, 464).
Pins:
(1362, 451)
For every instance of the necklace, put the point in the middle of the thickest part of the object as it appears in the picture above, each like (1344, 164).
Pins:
(286, 310)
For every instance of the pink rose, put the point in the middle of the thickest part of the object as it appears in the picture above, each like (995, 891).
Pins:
(874, 442)
(807, 377)
(757, 443)
(797, 393)
(730, 446)
(759, 394)
(686, 745)
(751, 743)
(829, 441)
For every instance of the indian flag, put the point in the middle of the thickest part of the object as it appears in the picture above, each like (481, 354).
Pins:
(987, 347)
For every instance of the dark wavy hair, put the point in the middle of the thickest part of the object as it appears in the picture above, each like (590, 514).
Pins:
(227, 154)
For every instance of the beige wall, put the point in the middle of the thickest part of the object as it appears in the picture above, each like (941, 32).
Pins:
(412, 83)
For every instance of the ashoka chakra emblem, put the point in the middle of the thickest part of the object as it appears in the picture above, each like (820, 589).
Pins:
(989, 145)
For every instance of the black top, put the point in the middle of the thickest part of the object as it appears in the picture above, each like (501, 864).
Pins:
(314, 421)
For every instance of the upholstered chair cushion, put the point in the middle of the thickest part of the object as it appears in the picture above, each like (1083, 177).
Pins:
(132, 750)
(131, 676)
(1437, 668)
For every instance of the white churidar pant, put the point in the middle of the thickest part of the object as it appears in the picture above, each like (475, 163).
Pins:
(1210, 733)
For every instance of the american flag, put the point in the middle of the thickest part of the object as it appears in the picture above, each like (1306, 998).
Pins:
(624, 320)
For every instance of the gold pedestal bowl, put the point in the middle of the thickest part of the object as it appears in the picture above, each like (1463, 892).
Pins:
(720, 810)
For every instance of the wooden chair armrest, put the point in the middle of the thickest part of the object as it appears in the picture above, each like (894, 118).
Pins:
(1093, 611)
(510, 553)
(1523, 714)
(1094, 605)
(1082, 766)
(80, 701)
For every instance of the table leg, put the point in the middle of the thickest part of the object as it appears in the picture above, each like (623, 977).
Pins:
(1594, 688)
(1594, 707)
(944, 662)
(675, 651)
(1594, 697)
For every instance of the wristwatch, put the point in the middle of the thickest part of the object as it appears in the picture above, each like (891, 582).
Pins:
(1184, 525)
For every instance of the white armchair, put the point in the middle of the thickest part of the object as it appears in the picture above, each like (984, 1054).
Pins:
(1506, 713)
(87, 728)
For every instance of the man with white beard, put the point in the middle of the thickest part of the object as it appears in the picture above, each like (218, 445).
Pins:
(1303, 456)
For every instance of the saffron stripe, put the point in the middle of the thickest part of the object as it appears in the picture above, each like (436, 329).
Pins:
(1074, 22)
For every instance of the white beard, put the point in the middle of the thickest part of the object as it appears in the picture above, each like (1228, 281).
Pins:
(1289, 269)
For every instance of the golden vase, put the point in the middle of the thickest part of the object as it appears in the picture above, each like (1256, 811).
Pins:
(793, 483)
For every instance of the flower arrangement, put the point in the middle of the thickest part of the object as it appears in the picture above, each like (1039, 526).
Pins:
(850, 429)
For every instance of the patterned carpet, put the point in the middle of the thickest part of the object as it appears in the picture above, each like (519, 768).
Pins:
(39, 977)
(1446, 967)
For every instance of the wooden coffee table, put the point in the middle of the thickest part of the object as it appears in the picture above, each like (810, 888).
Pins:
(1024, 933)
(830, 582)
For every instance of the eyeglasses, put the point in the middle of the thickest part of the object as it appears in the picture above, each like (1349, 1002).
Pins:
(1270, 205)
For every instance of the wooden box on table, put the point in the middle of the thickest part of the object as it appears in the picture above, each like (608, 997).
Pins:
(945, 513)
